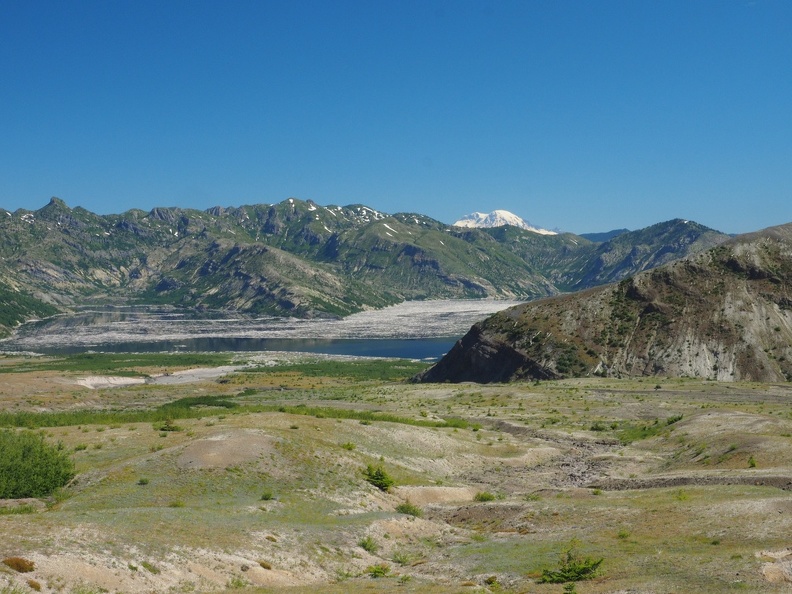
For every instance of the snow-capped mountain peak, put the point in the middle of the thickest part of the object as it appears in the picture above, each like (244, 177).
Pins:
(499, 218)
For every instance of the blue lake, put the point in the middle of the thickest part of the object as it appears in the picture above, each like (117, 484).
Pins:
(418, 348)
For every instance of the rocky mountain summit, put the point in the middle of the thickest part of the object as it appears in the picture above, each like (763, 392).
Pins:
(724, 314)
(297, 258)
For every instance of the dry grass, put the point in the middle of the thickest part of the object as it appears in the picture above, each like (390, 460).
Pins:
(19, 564)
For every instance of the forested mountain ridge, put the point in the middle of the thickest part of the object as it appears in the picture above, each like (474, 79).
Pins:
(298, 258)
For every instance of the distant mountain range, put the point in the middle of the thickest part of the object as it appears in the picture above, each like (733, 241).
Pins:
(721, 314)
(298, 258)
(499, 218)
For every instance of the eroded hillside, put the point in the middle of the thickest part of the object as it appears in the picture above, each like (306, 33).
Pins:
(724, 314)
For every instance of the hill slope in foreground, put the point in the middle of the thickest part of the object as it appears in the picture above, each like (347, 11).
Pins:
(208, 480)
(725, 314)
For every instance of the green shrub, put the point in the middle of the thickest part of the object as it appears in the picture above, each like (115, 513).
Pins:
(409, 509)
(378, 571)
(167, 426)
(571, 568)
(237, 582)
(30, 467)
(402, 557)
(484, 496)
(368, 544)
(378, 477)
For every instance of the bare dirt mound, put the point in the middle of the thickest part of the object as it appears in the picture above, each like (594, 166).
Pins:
(427, 495)
(777, 568)
(229, 448)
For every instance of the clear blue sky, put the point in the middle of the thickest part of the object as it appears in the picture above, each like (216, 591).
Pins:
(584, 116)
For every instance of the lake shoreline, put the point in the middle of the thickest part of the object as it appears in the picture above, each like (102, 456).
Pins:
(413, 330)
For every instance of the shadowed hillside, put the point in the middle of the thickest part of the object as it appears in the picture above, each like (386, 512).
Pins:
(724, 314)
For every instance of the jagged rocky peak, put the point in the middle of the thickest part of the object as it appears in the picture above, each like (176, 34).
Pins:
(58, 212)
(55, 201)
(54, 206)
(499, 218)
(163, 214)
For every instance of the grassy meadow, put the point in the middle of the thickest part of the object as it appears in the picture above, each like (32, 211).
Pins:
(261, 480)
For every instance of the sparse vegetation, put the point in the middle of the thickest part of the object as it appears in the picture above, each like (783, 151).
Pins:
(17, 510)
(368, 544)
(379, 571)
(484, 496)
(326, 513)
(237, 582)
(386, 370)
(150, 567)
(168, 426)
(409, 509)
(402, 557)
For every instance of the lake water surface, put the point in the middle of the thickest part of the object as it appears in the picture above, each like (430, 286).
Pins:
(413, 330)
